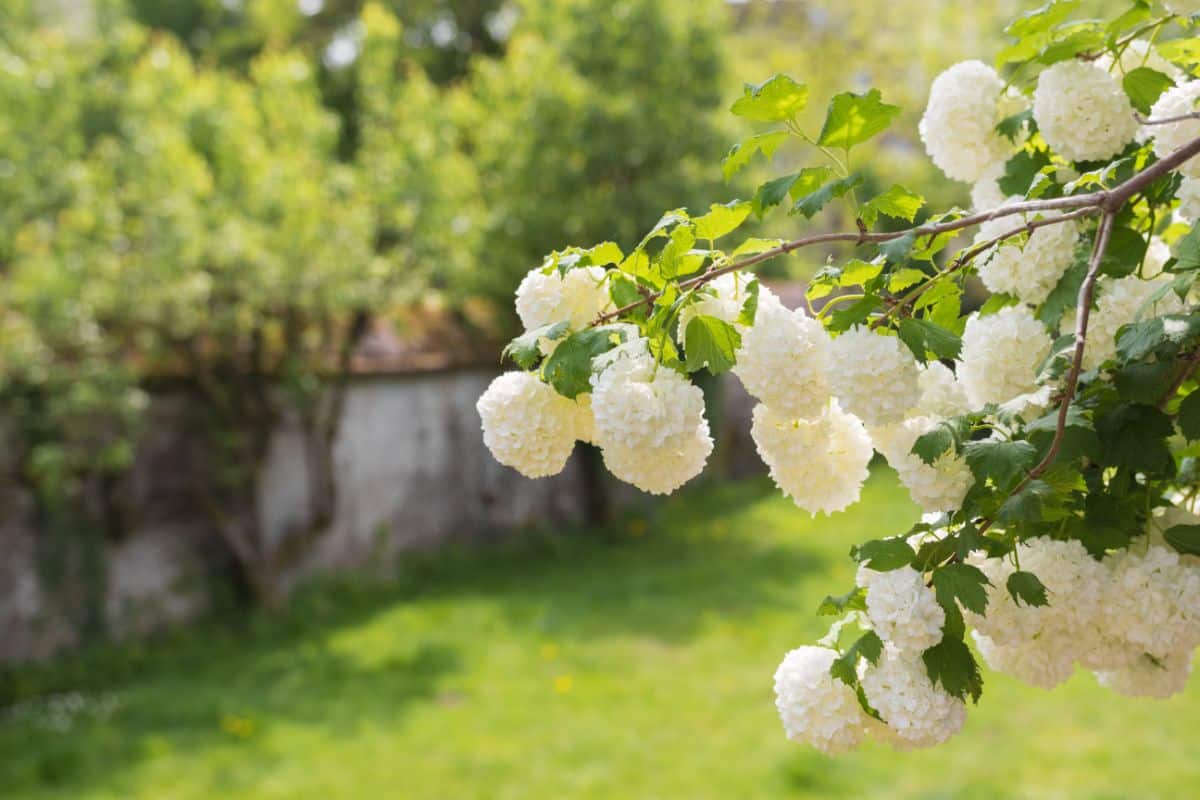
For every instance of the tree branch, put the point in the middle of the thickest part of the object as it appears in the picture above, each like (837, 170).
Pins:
(1086, 293)
(1109, 200)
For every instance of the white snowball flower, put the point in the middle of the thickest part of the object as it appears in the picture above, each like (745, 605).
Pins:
(1000, 355)
(1074, 584)
(1045, 662)
(816, 708)
(1082, 112)
(1154, 600)
(874, 376)
(1138, 53)
(1189, 199)
(959, 124)
(918, 714)
(649, 420)
(1158, 253)
(577, 297)
(723, 298)
(986, 194)
(902, 609)
(1121, 301)
(784, 360)
(527, 425)
(820, 463)
(1150, 677)
(667, 467)
(940, 486)
(1033, 270)
(941, 393)
(1168, 138)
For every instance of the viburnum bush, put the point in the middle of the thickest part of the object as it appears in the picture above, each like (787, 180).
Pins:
(1051, 435)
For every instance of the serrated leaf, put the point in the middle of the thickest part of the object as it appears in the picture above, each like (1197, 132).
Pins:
(1002, 462)
(1185, 52)
(1189, 417)
(525, 350)
(1126, 249)
(1011, 126)
(1042, 19)
(744, 151)
(1184, 538)
(750, 305)
(569, 367)
(777, 99)
(854, 118)
(721, 219)
(944, 437)
(1027, 504)
(884, 555)
(1134, 435)
(1187, 251)
(1165, 335)
(811, 196)
(1027, 589)
(1020, 170)
(963, 582)
(710, 342)
(674, 259)
(1144, 86)
(951, 664)
(845, 666)
(923, 336)
(854, 600)
(897, 202)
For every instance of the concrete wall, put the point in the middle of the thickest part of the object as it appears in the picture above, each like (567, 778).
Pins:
(412, 471)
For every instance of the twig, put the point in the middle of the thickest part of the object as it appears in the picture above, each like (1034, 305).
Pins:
(1086, 293)
(1167, 120)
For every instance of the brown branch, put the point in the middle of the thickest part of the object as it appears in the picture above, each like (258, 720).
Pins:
(1167, 120)
(1086, 293)
(970, 255)
(1109, 200)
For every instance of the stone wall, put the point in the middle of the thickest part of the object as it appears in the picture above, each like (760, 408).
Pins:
(412, 471)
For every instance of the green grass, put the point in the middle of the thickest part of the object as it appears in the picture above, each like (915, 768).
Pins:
(629, 663)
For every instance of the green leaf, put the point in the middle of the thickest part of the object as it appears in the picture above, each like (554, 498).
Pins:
(1142, 382)
(963, 582)
(710, 342)
(897, 202)
(1126, 249)
(569, 367)
(854, 600)
(750, 305)
(1064, 295)
(1187, 251)
(898, 250)
(1144, 85)
(812, 202)
(1020, 170)
(854, 118)
(1042, 19)
(951, 664)
(1185, 52)
(1010, 127)
(1025, 587)
(721, 219)
(1165, 335)
(1189, 417)
(1184, 538)
(1002, 462)
(946, 436)
(1070, 41)
(777, 99)
(741, 153)
(1134, 435)
(771, 193)
(884, 555)
(674, 260)
(845, 666)
(1027, 504)
(525, 350)
(623, 290)
(753, 246)
(922, 335)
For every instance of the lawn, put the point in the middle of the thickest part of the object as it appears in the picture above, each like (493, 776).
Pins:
(633, 662)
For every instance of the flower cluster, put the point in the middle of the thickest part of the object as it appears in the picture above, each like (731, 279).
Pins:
(1049, 433)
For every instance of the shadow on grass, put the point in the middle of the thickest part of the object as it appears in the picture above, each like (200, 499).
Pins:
(661, 574)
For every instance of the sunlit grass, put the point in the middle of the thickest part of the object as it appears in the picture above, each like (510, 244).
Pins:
(633, 662)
